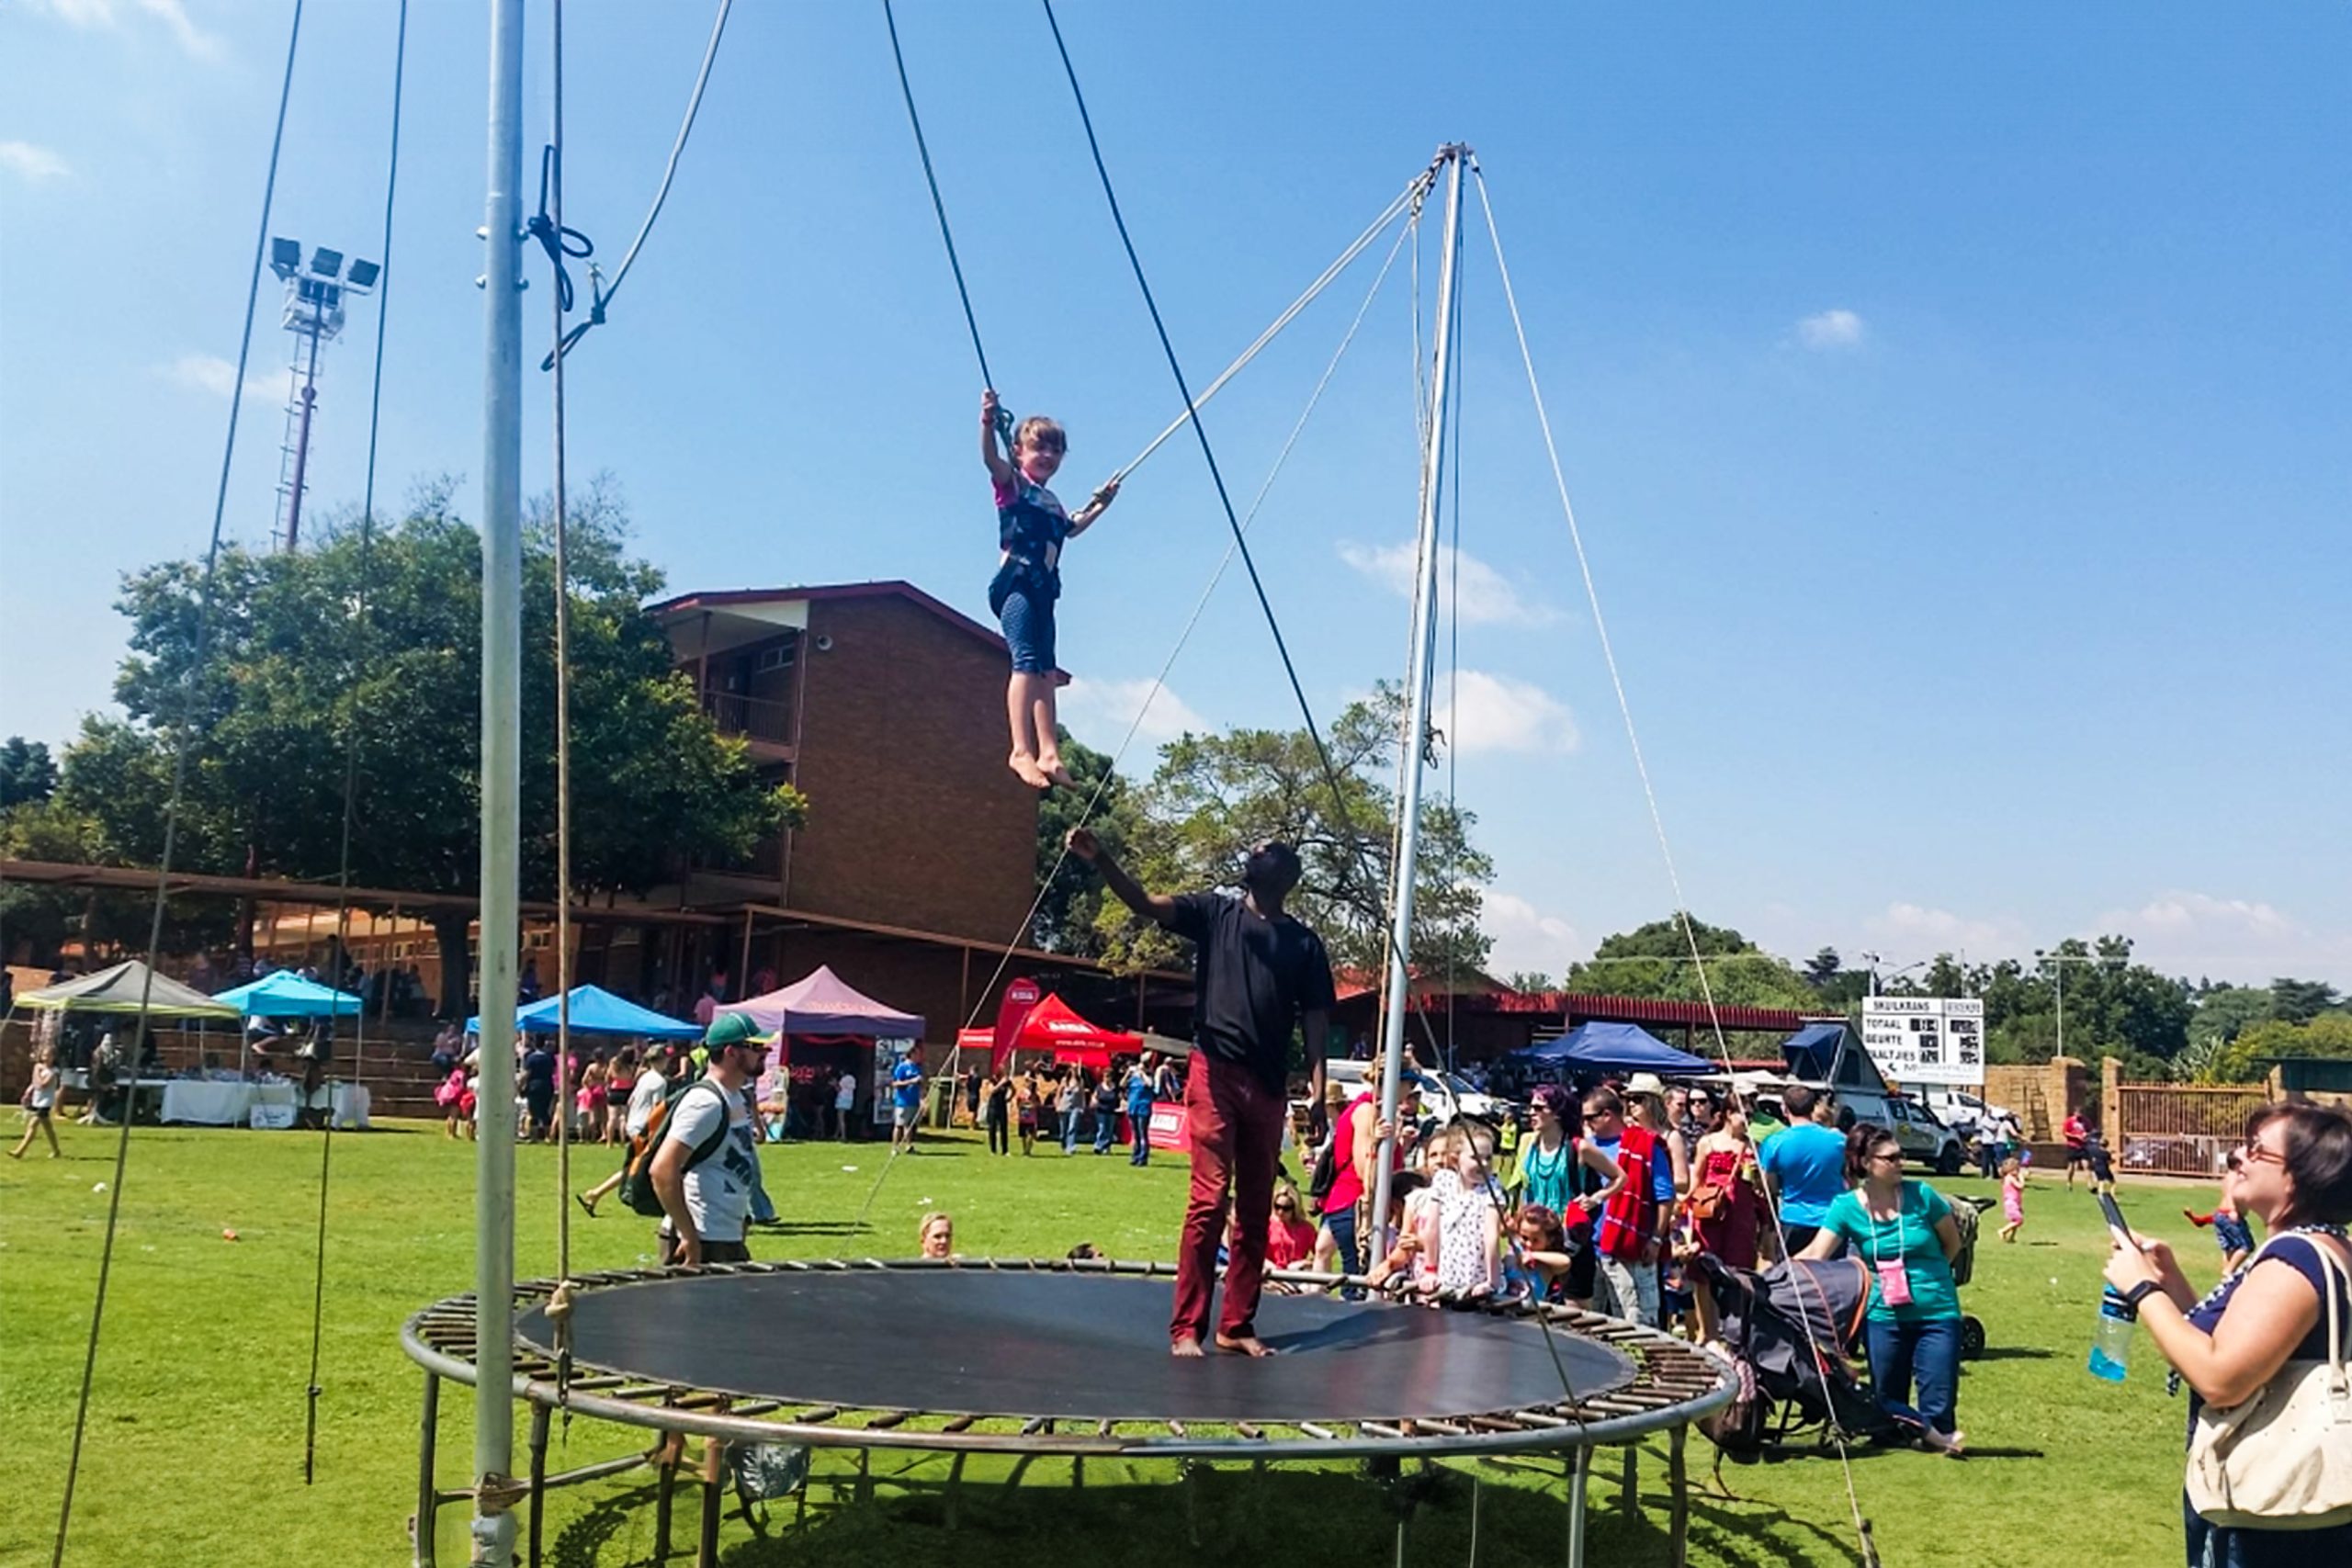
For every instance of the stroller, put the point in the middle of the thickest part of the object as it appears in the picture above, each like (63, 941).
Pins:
(1966, 1217)
(1788, 1329)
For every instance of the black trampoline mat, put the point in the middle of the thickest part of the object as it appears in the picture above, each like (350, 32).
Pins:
(1071, 1345)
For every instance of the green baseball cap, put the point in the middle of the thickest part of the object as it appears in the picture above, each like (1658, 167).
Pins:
(730, 1029)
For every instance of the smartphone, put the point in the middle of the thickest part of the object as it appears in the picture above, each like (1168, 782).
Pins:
(2114, 1212)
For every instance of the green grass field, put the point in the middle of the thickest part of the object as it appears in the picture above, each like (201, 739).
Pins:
(193, 1454)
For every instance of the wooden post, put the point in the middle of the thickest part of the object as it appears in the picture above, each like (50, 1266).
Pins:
(743, 964)
(2111, 1104)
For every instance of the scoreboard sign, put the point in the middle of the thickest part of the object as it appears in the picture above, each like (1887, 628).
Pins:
(1927, 1040)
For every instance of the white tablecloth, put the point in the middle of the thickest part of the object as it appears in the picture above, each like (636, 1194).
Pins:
(232, 1104)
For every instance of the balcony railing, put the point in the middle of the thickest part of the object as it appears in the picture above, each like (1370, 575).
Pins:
(750, 719)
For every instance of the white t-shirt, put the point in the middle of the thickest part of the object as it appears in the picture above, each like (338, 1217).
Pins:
(642, 1099)
(845, 1092)
(719, 1191)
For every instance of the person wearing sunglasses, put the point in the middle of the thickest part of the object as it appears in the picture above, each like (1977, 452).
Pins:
(2247, 1336)
(1904, 1232)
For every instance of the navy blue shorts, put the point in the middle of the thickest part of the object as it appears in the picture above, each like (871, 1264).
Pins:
(1028, 619)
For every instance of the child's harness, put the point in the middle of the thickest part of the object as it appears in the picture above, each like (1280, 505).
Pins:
(1031, 535)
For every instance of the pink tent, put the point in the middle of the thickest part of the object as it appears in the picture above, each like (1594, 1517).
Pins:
(825, 1004)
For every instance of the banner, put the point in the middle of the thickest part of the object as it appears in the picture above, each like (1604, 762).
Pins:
(1011, 1013)
(1927, 1040)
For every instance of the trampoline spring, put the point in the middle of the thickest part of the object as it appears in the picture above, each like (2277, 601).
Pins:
(1247, 1430)
(818, 1416)
(1177, 1427)
(1105, 1429)
(1321, 1434)
(960, 1423)
(887, 1418)
(1541, 1418)
(1034, 1425)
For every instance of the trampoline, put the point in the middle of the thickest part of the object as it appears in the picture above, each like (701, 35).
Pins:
(1061, 1357)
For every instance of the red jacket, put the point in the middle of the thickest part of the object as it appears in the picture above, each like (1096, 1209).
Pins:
(1629, 1220)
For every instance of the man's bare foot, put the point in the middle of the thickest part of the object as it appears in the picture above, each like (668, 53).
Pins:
(1245, 1344)
(1031, 774)
(1184, 1346)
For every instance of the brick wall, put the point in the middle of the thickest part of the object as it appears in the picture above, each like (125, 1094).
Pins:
(915, 820)
(2041, 1095)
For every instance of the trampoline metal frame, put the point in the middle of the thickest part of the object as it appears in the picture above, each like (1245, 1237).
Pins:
(1675, 1384)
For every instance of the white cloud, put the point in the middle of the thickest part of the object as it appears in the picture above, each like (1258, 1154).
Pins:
(1528, 938)
(211, 373)
(1498, 714)
(1831, 330)
(2245, 940)
(1106, 708)
(31, 163)
(1917, 930)
(1486, 596)
(108, 14)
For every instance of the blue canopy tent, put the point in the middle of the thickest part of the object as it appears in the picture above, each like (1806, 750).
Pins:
(1613, 1048)
(286, 995)
(595, 1010)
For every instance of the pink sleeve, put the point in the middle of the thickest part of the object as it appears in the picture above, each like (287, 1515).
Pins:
(1005, 493)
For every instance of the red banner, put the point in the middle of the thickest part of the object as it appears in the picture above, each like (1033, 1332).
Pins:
(1019, 998)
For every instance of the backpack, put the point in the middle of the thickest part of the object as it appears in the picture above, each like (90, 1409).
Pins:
(637, 1176)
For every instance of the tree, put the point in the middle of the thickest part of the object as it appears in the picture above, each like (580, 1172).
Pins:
(1529, 980)
(2329, 1034)
(1822, 967)
(2224, 1011)
(2299, 1002)
(37, 919)
(292, 669)
(1654, 960)
(1069, 901)
(1215, 795)
(28, 775)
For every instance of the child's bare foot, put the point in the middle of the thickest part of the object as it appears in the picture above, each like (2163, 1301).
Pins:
(1247, 1344)
(1188, 1346)
(1031, 774)
(1052, 768)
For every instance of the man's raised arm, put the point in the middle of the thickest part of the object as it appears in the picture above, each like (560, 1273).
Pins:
(1156, 906)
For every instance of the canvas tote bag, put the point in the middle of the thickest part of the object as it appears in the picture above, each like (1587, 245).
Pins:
(2282, 1458)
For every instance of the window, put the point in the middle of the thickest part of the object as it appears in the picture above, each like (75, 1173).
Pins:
(780, 656)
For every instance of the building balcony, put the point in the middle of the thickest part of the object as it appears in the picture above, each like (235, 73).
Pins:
(767, 727)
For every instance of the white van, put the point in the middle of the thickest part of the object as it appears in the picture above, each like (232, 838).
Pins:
(1439, 1101)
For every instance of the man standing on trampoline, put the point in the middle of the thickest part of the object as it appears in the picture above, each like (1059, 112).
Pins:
(1256, 972)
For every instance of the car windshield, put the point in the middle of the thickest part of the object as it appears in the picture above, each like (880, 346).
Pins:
(1458, 1084)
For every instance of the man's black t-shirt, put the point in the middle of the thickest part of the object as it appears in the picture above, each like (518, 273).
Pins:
(1251, 978)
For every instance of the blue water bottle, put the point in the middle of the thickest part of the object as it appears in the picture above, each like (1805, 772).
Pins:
(2111, 1341)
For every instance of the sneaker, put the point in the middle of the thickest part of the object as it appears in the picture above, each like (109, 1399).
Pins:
(1951, 1445)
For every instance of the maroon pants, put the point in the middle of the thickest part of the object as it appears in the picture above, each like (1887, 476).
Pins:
(1236, 1131)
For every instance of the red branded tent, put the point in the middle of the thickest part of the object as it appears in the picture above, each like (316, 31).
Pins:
(1052, 1026)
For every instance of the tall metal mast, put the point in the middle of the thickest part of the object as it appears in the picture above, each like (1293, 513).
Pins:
(501, 705)
(1418, 662)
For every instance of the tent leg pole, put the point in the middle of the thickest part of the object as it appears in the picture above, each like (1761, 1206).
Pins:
(428, 1497)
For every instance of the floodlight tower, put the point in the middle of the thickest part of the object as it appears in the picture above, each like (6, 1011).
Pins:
(314, 314)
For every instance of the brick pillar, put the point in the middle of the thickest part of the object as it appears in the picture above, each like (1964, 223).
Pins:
(2110, 1102)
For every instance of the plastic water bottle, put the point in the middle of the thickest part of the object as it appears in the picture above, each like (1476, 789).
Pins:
(2111, 1342)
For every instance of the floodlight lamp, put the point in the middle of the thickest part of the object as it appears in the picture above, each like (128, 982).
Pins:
(326, 263)
(285, 257)
(363, 273)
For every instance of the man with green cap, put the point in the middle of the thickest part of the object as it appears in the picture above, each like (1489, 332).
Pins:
(705, 1170)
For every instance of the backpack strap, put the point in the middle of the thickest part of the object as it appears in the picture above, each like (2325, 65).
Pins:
(712, 1145)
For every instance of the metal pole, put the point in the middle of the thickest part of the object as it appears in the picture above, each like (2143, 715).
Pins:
(1417, 723)
(501, 707)
(303, 440)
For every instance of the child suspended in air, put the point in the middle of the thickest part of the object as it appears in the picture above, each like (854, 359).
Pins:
(1030, 528)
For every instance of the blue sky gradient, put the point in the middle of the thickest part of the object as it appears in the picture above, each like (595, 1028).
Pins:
(1957, 404)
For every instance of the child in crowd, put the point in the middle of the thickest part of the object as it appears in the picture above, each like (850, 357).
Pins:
(450, 1094)
(2102, 1163)
(1030, 528)
(2231, 1230)
(1539, 1266)
(1405, 1188)
(1469, 1219)
(2012, 1197)
(40, 1105)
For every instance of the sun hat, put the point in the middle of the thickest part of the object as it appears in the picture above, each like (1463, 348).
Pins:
(1641, 1084)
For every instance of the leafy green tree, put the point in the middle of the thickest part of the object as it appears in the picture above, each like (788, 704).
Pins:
(1069, 903)
(1823, 967)
(1530, 980)
(37, 919)
(27, 775)
(2222, 1012)
(1654, 960)
(2329, 1034)
(1215, 795)
(292, 668)
(2299, 1002)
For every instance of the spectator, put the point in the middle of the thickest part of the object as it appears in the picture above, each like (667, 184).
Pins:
(2263, 1330)
(652, 1086)
(996, 1113)
(1540, 1266)
(2231, 1232)
(2013, 1198)
(844, 1103)
(1625, 1242)
(906, 1099)
(1904, 1232)
(1726, 1201)
(1988, 1145)
(620, 1084)
(2076, 1134)
(1024, 1109)
(1290, 1239)
(2102, 1165)
(1140, 1095)
(41, 1103)
(451, 1094)
(704, 1169)
(1106, 1111)
(1469, 1215)
(1804, 1165)
(538, 1086)
(936, 1237)
(1070, 1097)
(1357, 1133)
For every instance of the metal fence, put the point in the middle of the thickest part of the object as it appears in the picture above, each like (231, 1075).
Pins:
(2182, 1129)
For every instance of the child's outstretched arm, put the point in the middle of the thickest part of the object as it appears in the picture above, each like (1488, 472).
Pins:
(1084, 518)
(1000, 466)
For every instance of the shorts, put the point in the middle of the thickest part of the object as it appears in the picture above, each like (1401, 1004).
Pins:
(712, 1251)
(1026, 609)
(905, 1116)
(39, 1112)
(2075, 1157)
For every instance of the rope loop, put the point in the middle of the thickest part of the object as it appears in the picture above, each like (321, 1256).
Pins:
(558, 240)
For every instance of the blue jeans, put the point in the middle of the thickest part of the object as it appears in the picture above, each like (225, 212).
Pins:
(2229, 1546)
(1342, 1223)
(1929, 1352)
(1141, 1127)
(1106, 1124)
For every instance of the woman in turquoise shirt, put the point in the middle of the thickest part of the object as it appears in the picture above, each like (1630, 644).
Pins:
(1904, 1232)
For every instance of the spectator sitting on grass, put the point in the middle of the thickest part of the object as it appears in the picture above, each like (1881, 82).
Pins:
(936, 1236)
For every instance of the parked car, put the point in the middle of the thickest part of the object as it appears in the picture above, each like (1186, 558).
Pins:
(1924, 1138)
(1959, 1109)
(1440, 1104)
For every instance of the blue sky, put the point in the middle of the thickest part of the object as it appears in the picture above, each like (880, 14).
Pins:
(1957, 405)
